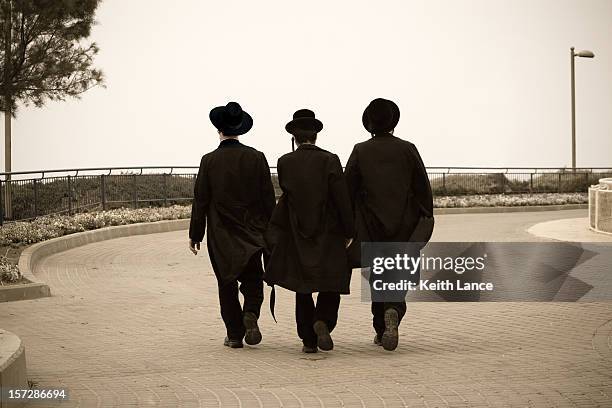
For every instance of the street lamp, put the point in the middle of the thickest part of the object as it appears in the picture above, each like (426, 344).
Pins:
(573, 55)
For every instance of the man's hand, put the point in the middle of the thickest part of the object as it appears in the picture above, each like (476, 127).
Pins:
(348, 242)
(194, 247)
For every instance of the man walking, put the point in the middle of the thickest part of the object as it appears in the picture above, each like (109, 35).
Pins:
(234, 193)
(311, 226)
(390, 190)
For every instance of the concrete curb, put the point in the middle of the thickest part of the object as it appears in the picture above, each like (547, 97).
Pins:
(525, 208)
(12, 367)
(32, 255)
(600, 232)
(25, 291)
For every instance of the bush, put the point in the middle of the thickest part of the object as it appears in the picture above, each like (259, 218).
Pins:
(565, 181)
(510, 200)
(84, 193)
(8, 271)
(469, 183)
(52, 226)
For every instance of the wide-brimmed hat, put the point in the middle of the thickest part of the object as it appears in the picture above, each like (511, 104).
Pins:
(381, 115)
(304, 120)
(231, 120)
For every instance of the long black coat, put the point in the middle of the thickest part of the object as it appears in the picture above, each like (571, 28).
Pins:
(234, 192)
(310, 223)
(389, 188)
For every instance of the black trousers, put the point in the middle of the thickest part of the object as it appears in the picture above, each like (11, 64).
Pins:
(306, 313)
(378, 314)
(251, 287)
(379, 308)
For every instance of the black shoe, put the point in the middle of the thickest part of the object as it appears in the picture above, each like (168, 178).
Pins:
(232, 343)
(390, 337)
(253, 335)
(378, 340)
(324, 340)
(309, 349)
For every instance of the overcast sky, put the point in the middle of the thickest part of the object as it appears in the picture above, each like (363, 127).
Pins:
(478, 82)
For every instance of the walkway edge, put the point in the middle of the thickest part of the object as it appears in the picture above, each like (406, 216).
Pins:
(12, 367)
(32, 255)
(508, 209)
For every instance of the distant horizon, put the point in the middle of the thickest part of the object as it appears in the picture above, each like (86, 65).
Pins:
(480, 83)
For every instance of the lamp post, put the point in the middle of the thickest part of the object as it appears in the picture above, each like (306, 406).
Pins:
(573, 55)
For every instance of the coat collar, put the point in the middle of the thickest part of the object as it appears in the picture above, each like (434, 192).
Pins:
(381, 135)
(229, 143)
(307, 146)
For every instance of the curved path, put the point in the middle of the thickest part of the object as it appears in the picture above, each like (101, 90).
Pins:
(134, 322)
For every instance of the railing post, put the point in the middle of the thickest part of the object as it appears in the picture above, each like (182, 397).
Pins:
(103, 191)
(530, 183)
(165, 190)
(8, 202)
(586, 180)
(503, 183)
(444, 183)
(134, 193)
(35, 198)
(69, 195)
(559, 183)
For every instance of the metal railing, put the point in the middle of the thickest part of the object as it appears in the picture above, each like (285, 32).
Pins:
(29, 194)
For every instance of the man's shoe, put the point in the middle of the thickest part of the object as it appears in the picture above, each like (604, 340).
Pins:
(309, 349)
(390, 337)
(324, 340)
(252, 335)
(378, 340)
(232, 343)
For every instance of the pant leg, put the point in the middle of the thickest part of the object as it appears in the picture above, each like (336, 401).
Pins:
(231, 311)
(398, 299)
(327, 307)
(400, 306)
(251, 285)
(304, 318)
(378, 317)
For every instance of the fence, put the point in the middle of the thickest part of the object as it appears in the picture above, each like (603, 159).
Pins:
(26, 195)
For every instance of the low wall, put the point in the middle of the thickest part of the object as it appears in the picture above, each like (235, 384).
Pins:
(508, 209)
(600, 206)
(12, 367)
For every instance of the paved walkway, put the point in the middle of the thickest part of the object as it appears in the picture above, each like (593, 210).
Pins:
(134, 322)
(569, 229)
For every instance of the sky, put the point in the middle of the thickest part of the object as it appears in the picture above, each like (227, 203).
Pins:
(478, 82)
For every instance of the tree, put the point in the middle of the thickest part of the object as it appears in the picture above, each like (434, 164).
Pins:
(44, 55)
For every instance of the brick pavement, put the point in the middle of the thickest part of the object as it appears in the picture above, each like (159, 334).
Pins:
(134, 322)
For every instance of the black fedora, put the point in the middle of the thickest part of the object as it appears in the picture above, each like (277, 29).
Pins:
(304, 120)
(231, 120)
(381, 115)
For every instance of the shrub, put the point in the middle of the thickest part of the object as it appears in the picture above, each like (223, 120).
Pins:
(9, 272)
(510, 200)
(52, 226)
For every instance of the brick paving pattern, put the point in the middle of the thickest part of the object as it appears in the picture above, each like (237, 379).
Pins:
(134, 322)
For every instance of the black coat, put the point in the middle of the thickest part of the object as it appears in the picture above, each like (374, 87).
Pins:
(234, 193)
(310, 224)
(389, 188)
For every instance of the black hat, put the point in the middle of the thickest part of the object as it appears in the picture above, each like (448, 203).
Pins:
(380, 116)
(304, 120)
(231, 120)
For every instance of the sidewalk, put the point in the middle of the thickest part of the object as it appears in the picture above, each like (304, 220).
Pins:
(134, 322)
